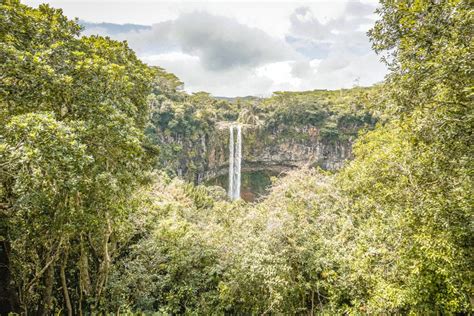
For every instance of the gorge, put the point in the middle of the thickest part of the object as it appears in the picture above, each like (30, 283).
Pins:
(287, 131)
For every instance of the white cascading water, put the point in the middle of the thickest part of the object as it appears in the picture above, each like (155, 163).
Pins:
(237, 163)
(231, 162)
(235, 158)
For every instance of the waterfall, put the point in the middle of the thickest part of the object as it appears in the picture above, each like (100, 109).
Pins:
(235, 158)
(237, 162)
(231, 163)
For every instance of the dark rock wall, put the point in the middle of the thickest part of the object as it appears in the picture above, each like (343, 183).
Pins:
(278, 149)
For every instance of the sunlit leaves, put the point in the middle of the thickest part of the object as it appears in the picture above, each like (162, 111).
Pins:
(73, 112)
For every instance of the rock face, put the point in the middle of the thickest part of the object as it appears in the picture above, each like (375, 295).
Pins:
(302, 147)
(277, 149)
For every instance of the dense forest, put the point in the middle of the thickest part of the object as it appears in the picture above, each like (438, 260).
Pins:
(104, 206)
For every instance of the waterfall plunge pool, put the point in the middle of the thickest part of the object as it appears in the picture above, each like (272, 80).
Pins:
(254, 184)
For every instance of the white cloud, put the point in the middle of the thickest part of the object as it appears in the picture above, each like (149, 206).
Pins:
(244, 48)
(220, 42)
(236, 81)
(280, 73)
(170, 57)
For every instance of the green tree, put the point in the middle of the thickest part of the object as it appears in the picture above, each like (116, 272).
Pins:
(411, 181)
(73, 111)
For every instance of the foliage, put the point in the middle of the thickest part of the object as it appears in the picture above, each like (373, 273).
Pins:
(280, 256)
(396, 224)
(413, 226)
(285, 253)
(172, 265)
(337, 114)
(72, 113)
(187, 128)
(411, 183)
(86, 229)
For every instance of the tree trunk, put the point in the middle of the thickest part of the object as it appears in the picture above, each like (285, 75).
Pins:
(104, 266)
(47, 296)
(9, 302)
(67, 299)
(85, 287)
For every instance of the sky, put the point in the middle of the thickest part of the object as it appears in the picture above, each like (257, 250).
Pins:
(240, 48)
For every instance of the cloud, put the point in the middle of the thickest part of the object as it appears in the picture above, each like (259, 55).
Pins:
(281, 74)
(223, 43)
(338, 51)
(343, 71)
(302, 69)
(226, 57)
(304, 24)
(237, 81)
(220, 42)
(359, 9)
(346, 31)
(111, 28)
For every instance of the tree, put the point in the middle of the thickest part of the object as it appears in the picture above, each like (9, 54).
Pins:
(410, 182)
(73, 113)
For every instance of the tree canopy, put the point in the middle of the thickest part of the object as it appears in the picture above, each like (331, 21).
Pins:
(92, 221)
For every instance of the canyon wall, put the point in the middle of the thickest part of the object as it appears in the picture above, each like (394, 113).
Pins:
(278, 149)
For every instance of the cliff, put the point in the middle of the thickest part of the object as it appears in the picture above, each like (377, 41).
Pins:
(275, 149)
(285, 131)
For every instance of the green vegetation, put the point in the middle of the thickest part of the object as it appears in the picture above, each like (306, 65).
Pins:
(93, 220)
(72, 112)
(254, 184)
(186, 127)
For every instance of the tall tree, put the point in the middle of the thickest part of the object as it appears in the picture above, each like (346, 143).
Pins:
(72, 114)
(411, 180)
